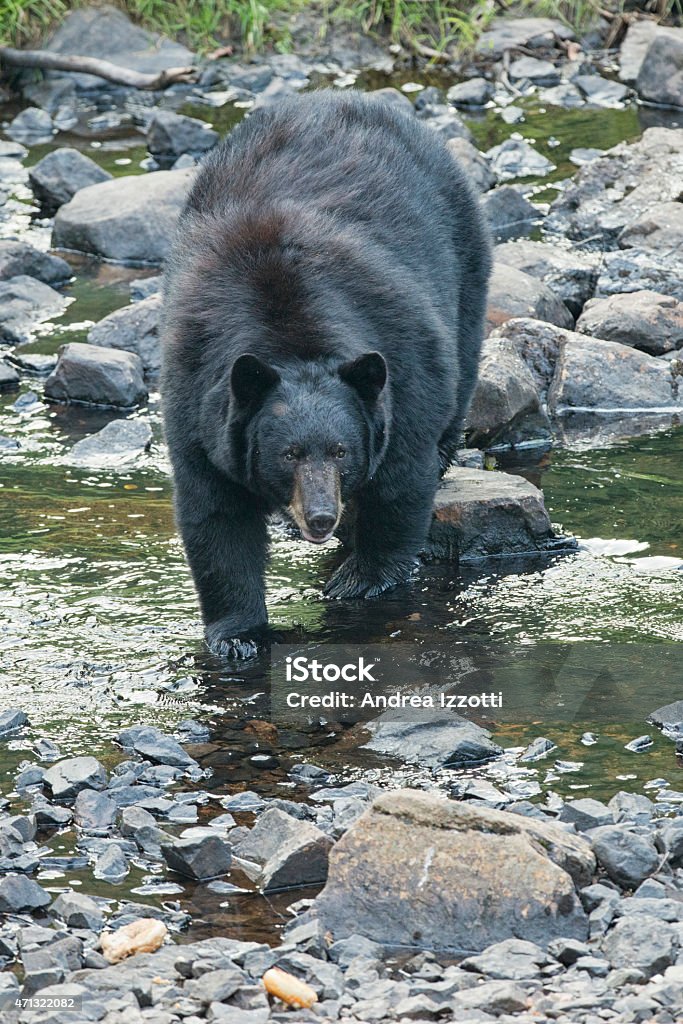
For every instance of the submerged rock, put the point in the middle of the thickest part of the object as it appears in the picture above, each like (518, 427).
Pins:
(512, 293)
(428, 737)
(644, 320)
(96, 376)
(479, 876)
(120, 441)
(133, 328)
(58, 177)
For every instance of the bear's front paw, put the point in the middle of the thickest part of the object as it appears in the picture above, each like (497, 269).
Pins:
(353, 580)
(220, 642)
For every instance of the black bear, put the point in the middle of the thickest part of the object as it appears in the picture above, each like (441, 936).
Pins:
(324, 309)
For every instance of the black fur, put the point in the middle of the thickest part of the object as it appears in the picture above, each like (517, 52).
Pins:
(321, 230)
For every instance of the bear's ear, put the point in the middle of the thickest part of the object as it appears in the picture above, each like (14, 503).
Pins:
(251, 378)
(367, 374)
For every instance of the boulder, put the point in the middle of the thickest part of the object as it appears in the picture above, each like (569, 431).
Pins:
(32, 126)
(644, 320)
(155, 746)
(19, 259)
(429, 737)
(19, 894)
(512, 293)
(509, 214)
(660, 78)
(67, 778)
(660, 228)
(206, 857)
(77, 910)
(288, 851)
(119, 442)
(418, 870)
(627, 858)
(96, 376)
(133, 328)
(474, 162)
(130, 219)
(506, 406)
(534, 70)
(643, 943)
(638, 270)
(25, 302)
(474, 92)
(58, 177)
(569, 273)
(515, 158)
(479, 514)
(510, 33)
(94, 812)
(171, 135)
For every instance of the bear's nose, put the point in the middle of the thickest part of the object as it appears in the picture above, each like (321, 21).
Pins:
(321, 523)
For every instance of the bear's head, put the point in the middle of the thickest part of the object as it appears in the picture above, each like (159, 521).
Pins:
(311, 434)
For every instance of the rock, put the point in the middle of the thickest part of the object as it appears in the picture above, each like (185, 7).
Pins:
(509, 214)
(564, 95)
(472, 161)
(107, 33)
(537, 749)
(512, 293)
(635, 44)
(515, 158)
(133, 328)
(445, 122)
(171, 135)
(482, 876)
(58, 177)
(154, 745)
(94, 812)
(660, 78)
(396, 98)
(19, 894)
(479, 513)
(585, 814)
(669, 718)
(19, 259)
(505, 407)
(492, 997)
(641, 942)
(130, 219)
(34, 363)
(67, 778)
(77, 910)
(568, 951)
(604, 376)
(11, 720)
(25, 302)
(602, 92)
(12, 150)
(570, 274)
(631, 807)
(32, 126)
(119, 442)
(627, 858)
(510, 33)
(111, 865)
(645, 320)
(512, 959)
(142, 936)
(538, 72)
(634, 270)
(92, 375)
(207, 857)
(660, 228)
(438, 740)
(475, 92)
(289, 852)
(143, 287)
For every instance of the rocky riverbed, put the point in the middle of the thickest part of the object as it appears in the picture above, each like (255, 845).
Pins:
(144, 779)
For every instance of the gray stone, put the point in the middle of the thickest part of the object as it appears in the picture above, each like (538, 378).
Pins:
(396, 98)
(94, 812)
(511, 960)
(569, 273)
(568, 951)
(77, 910)
(11, 720)
(495, 997)
(536, 71)
(143, 287)
(288, 851)
(512, 293)
(10, 150)
(602, 92)
(203, 858)
(171, 135)
(444, 120)
(119, 442)
(626, 857)
(428, 737)
(506, 407)
(19, 894)
(592, 896)
(482, 876)
(215, 986)
(472, 161)
(659, 228)
(9, 378)
(25, 302)
(32, 126)
(130, 219)
(346, 950)
(133, 328)
(474, 92)
(645, 320)
(511, 33)
(154, 745)
(67, 778)
(509, 214)
(93, 375)
(515, 158)
(641, 942)
(668, 718)
(111, 865)
(631, 807)
(537, 749)
(58, 177)
(19, 259)
(478, 514)
(631, 270)
(660, 78)
(586, 813)
(635, 44)
(564, 95)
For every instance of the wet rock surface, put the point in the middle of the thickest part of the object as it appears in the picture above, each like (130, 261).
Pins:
(133, 328)
(96, 376)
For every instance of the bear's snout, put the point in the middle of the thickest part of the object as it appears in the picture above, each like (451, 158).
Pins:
(316, 505)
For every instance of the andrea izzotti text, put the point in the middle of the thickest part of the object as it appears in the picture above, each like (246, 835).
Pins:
(355, 674)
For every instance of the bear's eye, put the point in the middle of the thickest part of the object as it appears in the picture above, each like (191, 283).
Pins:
(291, 455)
(340, 452)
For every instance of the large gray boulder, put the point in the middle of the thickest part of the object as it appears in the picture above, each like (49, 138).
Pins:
(660, 78)
(60, 175)
(91, 375)
(133, 328)
(569, 273)
(479, 514)
(418, 870)
(19, 259)
(170, 135)
(506, 406)
(130, 219)
(644, 320)
(512, 293)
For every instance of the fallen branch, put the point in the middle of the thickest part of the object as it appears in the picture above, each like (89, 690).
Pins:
(93, 66)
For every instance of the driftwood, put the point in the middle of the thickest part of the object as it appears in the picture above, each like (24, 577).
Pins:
(93, 66)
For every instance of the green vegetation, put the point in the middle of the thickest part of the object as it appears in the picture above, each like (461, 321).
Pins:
(424, 25)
